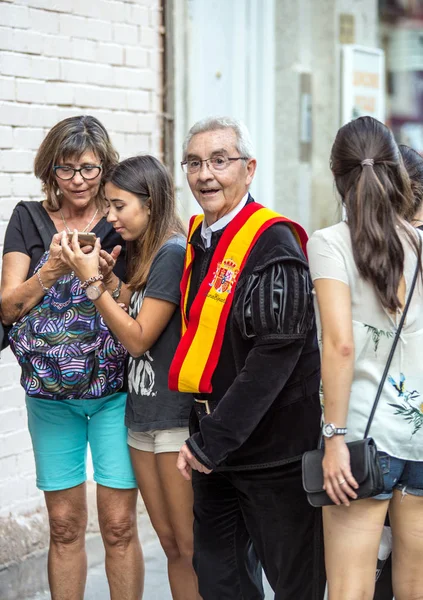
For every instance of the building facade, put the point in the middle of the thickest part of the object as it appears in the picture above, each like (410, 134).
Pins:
(148, 69)
(401, 36)
(276, 64)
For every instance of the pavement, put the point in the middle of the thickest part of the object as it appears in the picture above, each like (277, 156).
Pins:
(156, 583)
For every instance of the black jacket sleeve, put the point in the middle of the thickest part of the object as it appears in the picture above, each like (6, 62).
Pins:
(274, 310)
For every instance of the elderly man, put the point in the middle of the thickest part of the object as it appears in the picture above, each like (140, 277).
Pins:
(249, 355)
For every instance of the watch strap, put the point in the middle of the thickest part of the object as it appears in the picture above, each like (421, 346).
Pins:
(340, 431)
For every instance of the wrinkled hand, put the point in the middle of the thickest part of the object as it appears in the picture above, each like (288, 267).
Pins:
(55, 260)
(187, 461)
(339, 482)
(108, 261)
(84, 263)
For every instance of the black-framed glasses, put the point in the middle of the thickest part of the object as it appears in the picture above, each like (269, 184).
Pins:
(214, 163)
(67, 173)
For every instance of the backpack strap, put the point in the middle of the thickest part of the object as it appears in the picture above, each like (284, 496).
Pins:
(41, 221)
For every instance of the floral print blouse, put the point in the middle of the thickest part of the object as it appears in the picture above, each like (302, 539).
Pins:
(398, 423)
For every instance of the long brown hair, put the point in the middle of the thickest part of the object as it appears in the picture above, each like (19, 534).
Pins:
(68, 139)
(378, 201)
(413, 162)
(150, 180)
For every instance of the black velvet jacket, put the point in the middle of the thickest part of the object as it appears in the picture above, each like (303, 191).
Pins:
(266, 383)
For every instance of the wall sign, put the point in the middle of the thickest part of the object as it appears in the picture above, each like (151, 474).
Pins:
(363, 83)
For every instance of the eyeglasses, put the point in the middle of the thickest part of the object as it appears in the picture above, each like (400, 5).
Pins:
(67, 173)
(215, 163)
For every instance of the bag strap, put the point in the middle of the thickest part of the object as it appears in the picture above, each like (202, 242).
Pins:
(41, 221)
(394, 344)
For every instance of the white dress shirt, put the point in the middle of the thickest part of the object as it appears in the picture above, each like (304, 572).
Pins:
(206, 232)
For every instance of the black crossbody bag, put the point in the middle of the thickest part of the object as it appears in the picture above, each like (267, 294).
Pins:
(364, 461)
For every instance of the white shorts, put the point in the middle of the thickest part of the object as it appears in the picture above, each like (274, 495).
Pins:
(158, 440)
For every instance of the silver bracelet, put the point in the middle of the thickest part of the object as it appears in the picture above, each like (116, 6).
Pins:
(116, 292)
(43, 287)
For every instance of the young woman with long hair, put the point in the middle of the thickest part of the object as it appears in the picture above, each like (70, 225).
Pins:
(140, 197)
(362, 270)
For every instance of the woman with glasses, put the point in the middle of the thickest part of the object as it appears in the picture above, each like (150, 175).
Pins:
(140, 195)
(70, 163)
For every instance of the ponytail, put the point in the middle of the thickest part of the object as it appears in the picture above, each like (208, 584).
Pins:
(378, 200)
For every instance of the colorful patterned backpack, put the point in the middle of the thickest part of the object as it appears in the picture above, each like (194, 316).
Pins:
(63, 346)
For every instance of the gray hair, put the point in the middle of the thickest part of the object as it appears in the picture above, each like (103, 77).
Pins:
(244, 144)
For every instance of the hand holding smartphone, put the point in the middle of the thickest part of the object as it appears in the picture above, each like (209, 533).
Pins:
(84, 238)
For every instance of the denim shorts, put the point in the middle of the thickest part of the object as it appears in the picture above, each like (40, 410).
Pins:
(399, 474)
(62, 429)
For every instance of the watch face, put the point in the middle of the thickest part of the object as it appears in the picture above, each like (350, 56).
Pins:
(93, 292)
(328, 430)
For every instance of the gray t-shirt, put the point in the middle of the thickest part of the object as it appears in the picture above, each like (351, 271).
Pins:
(150, 404)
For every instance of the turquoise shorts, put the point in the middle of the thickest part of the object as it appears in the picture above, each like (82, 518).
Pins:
(61, 431)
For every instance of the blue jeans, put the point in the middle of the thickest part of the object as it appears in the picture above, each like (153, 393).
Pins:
(404, 475)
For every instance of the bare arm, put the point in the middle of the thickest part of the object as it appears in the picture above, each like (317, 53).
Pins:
(140, 334)
(18, 294)
(334, 301)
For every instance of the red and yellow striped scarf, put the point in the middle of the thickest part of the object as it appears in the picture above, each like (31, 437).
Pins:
(198, 351)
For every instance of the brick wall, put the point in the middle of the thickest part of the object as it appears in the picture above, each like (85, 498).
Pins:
(60, 58)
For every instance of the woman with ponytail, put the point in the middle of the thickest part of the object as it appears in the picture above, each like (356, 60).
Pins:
(362, 270)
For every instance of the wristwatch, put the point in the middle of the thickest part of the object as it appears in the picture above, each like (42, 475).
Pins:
(94, 291)
(329, 430)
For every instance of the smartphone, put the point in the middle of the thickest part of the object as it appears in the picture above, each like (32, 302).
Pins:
(84, 238)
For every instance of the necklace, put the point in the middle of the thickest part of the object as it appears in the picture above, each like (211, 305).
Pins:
(69, 230)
